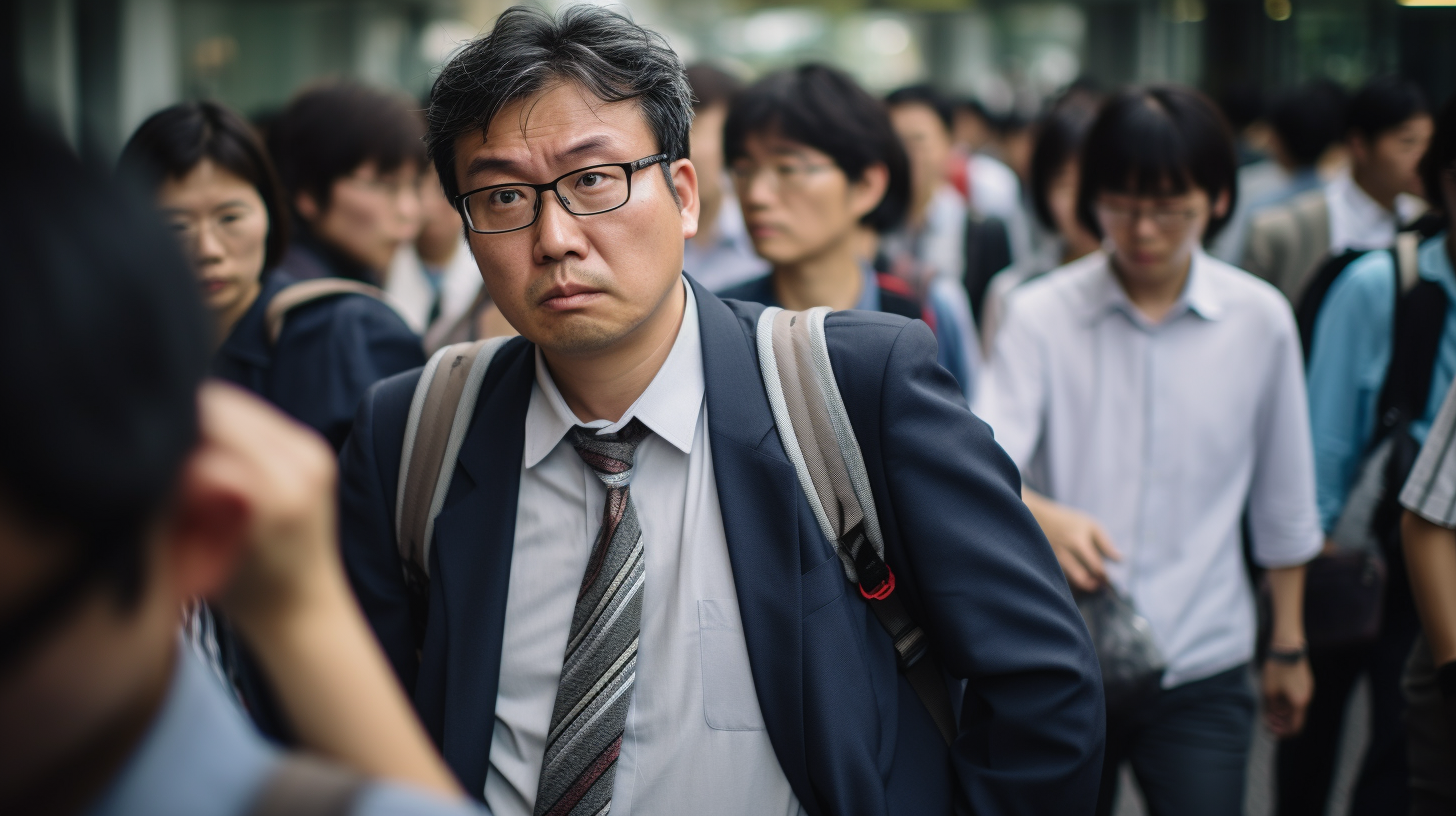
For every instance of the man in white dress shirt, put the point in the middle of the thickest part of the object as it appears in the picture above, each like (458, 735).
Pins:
(1154, 397)
(630, 605)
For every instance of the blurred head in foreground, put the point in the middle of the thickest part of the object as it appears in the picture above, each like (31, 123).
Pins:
(103, 344)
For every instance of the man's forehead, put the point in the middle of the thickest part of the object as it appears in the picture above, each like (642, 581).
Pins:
(555, 124)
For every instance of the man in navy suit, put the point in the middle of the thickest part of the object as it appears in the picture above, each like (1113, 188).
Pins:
(631, 606)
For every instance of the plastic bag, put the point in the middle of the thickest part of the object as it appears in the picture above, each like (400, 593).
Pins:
(1132, 663)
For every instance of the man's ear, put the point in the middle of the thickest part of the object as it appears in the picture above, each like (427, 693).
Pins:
(867, 193)
(685, 182)
(1359, 148)
(1220, 206)
(204, 534)
(307, 206)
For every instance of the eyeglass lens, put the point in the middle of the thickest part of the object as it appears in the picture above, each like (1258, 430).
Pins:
(585, 192)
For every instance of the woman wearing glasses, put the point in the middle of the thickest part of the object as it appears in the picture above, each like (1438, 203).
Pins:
(212, 181)
(820, 174)
(1154, 399)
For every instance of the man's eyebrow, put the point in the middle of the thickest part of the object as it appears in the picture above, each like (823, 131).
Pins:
(481, 164)
(586, 145)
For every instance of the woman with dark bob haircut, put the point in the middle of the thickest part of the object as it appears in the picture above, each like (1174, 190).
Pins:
(1154, 397)
(820, 174)
(216, 190)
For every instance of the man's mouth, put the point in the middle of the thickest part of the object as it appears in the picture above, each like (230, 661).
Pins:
(567, 296)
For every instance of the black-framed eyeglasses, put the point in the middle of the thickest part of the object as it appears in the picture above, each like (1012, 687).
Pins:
(516, 205)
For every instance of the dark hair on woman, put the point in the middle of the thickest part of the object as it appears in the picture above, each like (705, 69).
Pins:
(93, 457)
(172, 142)
(927, 95)
(329, 131)
(1059, 137)
(1440, 158)
(823, 108)
(1158, 140)
(610, 56)
(1383, 104)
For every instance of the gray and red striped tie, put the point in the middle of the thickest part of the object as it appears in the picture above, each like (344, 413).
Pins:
(601, 650)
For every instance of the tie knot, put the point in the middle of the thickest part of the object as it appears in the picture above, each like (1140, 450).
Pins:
(609, 455)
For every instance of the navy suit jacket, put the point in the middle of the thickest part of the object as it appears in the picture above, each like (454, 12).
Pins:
(848, 730)
(328, 355)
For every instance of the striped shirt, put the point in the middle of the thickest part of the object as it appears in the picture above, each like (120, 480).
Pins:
(1430, 492)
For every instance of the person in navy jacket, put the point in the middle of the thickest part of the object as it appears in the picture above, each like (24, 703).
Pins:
(217, 191)
(756, 681)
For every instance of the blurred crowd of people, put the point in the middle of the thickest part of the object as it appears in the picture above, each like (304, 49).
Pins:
(1215, 346)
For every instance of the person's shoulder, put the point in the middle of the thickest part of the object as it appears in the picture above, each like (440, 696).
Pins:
(1372, 275)
(1049, 295)
(353, 309)
(1248, 297)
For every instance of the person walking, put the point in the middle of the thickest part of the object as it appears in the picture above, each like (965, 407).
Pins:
(1152, 397)
(630, 604)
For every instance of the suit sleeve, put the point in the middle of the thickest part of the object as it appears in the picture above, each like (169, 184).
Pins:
(368, 472)
(991, 597)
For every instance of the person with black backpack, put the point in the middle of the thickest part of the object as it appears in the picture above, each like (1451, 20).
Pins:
(1382, 354)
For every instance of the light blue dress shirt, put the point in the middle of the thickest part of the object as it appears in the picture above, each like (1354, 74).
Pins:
(1352, 344)
(201, 757)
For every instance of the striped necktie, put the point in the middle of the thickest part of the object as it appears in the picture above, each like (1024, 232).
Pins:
(601, 651)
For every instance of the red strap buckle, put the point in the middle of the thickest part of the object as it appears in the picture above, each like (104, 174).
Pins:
(882, 591)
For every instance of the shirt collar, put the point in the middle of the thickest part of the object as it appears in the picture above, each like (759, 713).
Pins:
(669, 406)
(1105, 295)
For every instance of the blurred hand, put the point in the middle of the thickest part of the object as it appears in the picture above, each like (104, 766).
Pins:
(283, 475)
(1078, 540)
(1287, 691)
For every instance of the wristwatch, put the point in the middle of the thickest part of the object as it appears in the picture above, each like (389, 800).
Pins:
(1289, 657)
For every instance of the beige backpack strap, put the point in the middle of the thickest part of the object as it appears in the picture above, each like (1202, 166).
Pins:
(814, 427)
(304, 786)
(439, 416)
(295, 295)
(1407, 259)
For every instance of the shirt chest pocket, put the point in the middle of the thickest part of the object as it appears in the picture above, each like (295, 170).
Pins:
(729, 700)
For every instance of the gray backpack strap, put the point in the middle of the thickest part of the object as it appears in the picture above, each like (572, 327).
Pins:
(304, 786)
(814, 426)
(439, 415)
(295, 295)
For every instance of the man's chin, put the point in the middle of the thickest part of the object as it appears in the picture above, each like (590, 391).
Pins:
(575, 334)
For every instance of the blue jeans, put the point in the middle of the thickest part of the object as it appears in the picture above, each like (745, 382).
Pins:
(1189, 750)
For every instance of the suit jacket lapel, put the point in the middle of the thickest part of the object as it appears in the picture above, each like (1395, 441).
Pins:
(758, 493)
(474, 539)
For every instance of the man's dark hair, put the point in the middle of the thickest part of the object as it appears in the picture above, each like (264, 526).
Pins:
(712, 85)
(928, 96)
(823, 108)
(1309, 119)
(103, 344)
(172, 142)
(610, 56)
(1158, 140)
(1059, 137)
(1440, 158)
(1384, 104)
(330, 131)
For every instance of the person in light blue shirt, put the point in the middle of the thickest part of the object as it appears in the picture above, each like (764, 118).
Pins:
(1350, 357)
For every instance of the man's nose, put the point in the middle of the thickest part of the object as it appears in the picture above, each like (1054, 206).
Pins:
(558, 232)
